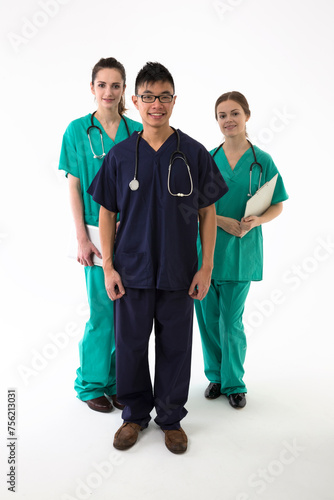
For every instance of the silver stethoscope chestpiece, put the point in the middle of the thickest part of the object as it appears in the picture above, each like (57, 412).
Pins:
(134, 185)
(177, 154)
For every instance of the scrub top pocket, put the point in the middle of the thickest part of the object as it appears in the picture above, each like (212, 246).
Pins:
(135, 269)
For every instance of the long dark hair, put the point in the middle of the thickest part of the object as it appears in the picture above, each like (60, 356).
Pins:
(111, 63)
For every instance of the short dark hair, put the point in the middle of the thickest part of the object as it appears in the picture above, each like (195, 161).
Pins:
(153, 72)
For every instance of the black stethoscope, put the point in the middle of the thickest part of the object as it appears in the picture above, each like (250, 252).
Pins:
(98, 128)
(177, 154)
(255, 163)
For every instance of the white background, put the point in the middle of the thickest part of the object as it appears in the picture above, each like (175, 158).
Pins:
(280, 55)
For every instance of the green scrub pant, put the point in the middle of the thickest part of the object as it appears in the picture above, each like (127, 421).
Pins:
(97, 372)
(219, 317)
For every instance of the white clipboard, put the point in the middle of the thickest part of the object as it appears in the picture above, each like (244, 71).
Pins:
(93, 235)
(261, 200)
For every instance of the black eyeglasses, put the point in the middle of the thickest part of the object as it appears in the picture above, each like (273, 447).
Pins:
(164, 98)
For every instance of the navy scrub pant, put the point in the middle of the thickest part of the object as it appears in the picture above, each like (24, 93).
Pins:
(172, 315)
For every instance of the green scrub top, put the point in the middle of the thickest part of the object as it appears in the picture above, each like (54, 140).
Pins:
(76, 157)
(241, 259)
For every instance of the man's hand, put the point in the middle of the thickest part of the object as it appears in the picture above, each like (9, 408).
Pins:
(113, 284)
(200, 284)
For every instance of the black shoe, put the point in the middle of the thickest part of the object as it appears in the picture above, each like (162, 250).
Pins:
(212, 391)
(237, 400)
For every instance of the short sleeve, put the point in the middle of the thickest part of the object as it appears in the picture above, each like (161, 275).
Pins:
(103, 188)
(211, 185)
(280, 193)
(68, 155)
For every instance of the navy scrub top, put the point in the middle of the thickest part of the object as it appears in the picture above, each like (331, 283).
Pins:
(155, 245)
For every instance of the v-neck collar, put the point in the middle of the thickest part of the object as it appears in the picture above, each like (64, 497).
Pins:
(239, 162)
(163, 146)
(104, 133)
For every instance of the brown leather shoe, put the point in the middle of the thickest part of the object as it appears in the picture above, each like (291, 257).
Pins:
(100, 404)
(176, 440)
(116, 403)
(126, 436)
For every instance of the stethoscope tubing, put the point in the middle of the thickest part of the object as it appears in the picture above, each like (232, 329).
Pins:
(255, 163)
(101, 136)
(177, 154)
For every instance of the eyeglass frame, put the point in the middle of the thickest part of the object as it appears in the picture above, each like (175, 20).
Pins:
(156, 97)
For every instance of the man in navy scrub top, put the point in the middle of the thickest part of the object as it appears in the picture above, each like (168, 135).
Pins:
(151, 268)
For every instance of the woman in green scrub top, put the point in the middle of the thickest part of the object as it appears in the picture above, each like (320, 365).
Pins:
(96, 377)
(238, 257)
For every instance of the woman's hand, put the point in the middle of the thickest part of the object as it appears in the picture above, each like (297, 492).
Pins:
(86, 249)
(248, 223)
(231, 226)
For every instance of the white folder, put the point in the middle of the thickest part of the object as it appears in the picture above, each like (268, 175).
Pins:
(93, 235)
(261, 200)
